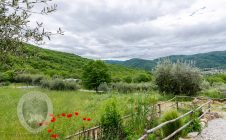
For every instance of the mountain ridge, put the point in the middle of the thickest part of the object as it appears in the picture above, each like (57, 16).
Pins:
(215, 59)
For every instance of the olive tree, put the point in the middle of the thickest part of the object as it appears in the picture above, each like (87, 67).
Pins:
(177, 78)
(14, 25)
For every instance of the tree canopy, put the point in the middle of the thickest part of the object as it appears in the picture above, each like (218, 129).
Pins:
(95, 73)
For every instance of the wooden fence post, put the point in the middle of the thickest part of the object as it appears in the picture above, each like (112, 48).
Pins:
(209, 106)
(177, 105)
(160, 111)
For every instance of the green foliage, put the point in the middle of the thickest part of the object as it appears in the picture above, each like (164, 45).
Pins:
(127, 79)
(132, 87)
(52, 63)
(111, 123)
(116, 80)
(171, 127)
(7, 76)
(24, 78)
(217, 78)
(177, 78)
(213, 93)
(144, 114)
(36, 79)
(142, 78)
(103, 87)
(195, 126)
(58, 84)
(95, 73)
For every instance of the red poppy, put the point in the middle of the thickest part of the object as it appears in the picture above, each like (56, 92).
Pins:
(84, 119)
(49, 130)
(53, 119)
(88, 119)
(76, 113)
(64, 114)
(54, 136)
(69, 115)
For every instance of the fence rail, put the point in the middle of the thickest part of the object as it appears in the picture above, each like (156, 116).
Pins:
(147, 132)
(95, 132)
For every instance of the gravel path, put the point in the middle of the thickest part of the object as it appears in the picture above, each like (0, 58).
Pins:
(216, 130)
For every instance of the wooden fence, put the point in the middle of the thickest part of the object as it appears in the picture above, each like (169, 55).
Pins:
(148, 132)
(95, 132)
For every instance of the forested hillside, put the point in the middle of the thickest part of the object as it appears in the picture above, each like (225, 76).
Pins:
(37, 60)
(203, 60)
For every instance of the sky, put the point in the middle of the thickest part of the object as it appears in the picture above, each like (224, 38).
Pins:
(147, 29)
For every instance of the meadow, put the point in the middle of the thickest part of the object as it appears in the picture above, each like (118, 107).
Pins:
(88, 104)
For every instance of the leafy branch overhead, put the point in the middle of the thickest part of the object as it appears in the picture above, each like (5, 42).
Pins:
(14, 23)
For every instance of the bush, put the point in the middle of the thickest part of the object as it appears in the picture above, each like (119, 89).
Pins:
(58, 84)
(36, 79)
(132, 87)
(103, 87)
(177, 78)
(127, 79)
(7, 83)
(24, 78)
(142, 78)
(111, 123)
(171, 127)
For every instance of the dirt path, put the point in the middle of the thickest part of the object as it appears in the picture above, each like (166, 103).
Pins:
(216, 130)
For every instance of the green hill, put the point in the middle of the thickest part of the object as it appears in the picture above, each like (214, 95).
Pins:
(203, 60)
(53, 63)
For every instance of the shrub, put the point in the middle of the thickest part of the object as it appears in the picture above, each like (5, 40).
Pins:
(195, 126)
(103, 87)
(132, 87)
(127, 79)
(6, 83)
(24, 78)
(71, 86)
(171, 127)
(7, 76)
(111, 123)
(36, 79)
(45, 83)
(58, 84)
(142, 78)
(177, 78)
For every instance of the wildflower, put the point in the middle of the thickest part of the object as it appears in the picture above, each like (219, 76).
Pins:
(88, 119)
(84, 119)
(69, 115)
(54, 136)
(63, 114)
(49, 130)
(76, 113)
(53, 119)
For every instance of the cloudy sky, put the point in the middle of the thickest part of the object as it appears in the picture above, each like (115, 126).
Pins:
(148, 29)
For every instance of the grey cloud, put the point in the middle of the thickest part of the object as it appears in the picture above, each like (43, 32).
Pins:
(103, 29)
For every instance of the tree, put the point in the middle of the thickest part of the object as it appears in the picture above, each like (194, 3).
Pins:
(14, 25)
(95, 73)
(177, 78)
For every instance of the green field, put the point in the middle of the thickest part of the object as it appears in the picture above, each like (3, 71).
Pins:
(88, 104)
